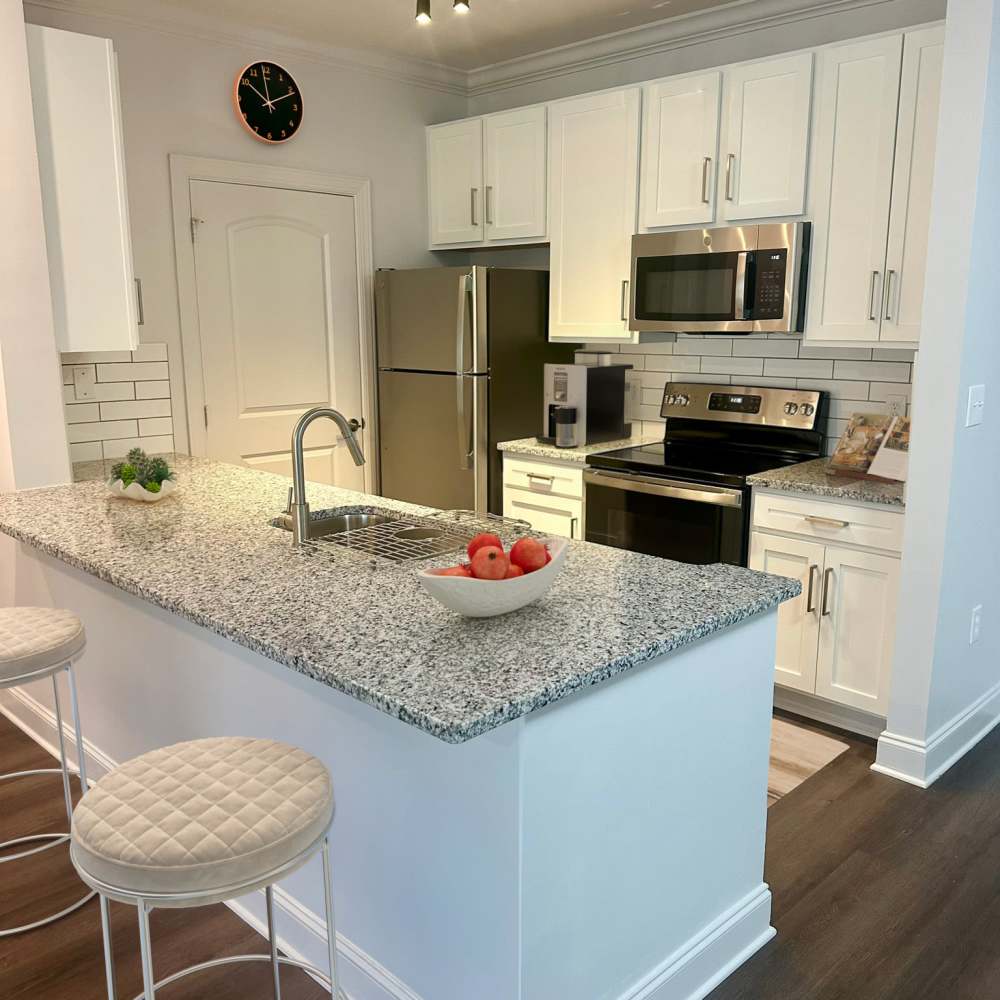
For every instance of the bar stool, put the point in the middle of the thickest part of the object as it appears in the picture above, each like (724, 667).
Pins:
(36, 643)
(203, 822)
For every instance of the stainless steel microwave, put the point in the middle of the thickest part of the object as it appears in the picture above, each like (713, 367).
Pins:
(732, 280)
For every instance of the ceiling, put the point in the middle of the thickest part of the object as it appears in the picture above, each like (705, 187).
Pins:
(493, 31)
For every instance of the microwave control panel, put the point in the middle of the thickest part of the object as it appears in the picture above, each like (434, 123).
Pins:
(769, 284)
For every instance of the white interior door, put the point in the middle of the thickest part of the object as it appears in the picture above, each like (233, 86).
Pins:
(277, 282)
(798, 619)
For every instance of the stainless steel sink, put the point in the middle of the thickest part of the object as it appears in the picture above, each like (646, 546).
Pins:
(339, 520)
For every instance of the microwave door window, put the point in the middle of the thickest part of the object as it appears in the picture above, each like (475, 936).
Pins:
(694, 288)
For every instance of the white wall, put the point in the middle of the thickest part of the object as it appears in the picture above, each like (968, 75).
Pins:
(945, 691)
(176, 98)
(880, 15)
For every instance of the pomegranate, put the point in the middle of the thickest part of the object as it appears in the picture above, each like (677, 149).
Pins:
(453, 571)
(490, 563)
(513, 571)
(481, 540)
(529, 554)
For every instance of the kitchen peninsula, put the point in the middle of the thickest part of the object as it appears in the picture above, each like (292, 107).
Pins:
(565, 802)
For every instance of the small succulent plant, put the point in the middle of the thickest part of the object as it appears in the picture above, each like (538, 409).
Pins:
(138, 467)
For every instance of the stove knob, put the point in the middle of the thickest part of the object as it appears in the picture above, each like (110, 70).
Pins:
(683, 400)
(808, 409)
(791, 408)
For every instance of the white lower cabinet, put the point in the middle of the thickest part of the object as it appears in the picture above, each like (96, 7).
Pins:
(548, 495)
(836, 639)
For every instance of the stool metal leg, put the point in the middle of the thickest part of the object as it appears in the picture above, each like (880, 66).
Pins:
(331, 927)
(109, 955)
(62, 752)
(146, 948)
(81, 761)
(272, 937)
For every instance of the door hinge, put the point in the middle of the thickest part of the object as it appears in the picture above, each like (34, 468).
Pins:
(194, 228)
(206, 415)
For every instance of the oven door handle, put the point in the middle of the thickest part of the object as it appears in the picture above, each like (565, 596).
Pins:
(719, 496)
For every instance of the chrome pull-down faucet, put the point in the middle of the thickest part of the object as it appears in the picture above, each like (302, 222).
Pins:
(297, 507)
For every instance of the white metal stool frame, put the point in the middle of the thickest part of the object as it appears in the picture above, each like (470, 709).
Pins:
(146, 903)
(50, 839)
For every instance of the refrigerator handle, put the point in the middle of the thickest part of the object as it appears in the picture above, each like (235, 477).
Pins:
(465, 420)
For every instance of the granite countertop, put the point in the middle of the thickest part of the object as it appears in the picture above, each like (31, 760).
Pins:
(208, 554)
(812, 477)
(537, 448)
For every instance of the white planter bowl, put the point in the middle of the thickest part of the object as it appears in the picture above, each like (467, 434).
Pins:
(488, 598)
(135, 492)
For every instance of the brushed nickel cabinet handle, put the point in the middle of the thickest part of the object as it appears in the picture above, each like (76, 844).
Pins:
(888, 293)
(140, 311)
(730, 163)
(828, 522)
(473, 192)
(489, 205)
(871, 296)
(812, 582)
(537, 475)
(706, 166)
(827, 576)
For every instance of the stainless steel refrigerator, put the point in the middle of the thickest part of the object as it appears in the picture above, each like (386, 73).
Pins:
(460, 356)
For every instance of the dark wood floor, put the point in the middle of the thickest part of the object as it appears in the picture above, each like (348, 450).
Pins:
(883, 890)
(64, 961)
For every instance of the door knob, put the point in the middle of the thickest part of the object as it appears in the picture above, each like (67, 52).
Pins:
(356, 425)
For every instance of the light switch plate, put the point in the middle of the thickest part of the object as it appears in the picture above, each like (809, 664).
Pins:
(85, 381)
(897, 405)
(976, 624)
(977, 404)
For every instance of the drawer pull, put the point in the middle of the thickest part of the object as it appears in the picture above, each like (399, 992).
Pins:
(826, 522)
(537, 475)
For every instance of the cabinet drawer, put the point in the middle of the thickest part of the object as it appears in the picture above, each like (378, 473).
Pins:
(831, 522)
(550, 514)
(543, 477)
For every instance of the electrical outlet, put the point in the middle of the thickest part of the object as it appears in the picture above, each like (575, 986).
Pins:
(897, 405)
(976, 625)
(977, 404)
(84, 381)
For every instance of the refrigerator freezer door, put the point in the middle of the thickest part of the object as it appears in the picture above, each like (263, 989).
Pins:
(431, 319)
(432, 429)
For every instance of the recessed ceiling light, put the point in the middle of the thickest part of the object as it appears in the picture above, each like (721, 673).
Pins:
(461, 6)
(423, 11)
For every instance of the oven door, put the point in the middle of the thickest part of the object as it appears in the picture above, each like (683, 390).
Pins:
(689, 522)
(694, 281)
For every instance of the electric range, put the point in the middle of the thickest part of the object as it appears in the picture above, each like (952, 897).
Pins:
(687, 497)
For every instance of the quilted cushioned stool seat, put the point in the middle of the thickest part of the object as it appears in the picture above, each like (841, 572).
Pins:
(33, 639)
(201, 817)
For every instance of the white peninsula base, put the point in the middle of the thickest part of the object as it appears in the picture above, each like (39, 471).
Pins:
(607, 847)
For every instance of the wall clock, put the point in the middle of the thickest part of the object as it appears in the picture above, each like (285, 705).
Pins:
(267, 102)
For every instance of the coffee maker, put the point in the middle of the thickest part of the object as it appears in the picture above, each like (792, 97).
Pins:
(597, 394)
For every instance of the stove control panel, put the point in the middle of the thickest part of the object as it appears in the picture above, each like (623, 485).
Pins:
(799, 408)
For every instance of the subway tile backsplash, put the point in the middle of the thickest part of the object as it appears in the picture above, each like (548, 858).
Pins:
(127, 406)
(858, 379)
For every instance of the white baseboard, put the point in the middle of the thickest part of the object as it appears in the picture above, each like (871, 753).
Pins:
(364, 978)
(922, 762)
(696, 968)
(811, 706)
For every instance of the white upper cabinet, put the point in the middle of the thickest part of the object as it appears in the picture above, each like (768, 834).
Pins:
(913, 174)
(455, 182)
(765, 139)
(514, 205)
(680, 146)
(81, 164)
(593, 187)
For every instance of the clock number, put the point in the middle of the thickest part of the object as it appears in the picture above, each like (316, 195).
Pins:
(246, 82)
(253, 70)
(265, 69)
(295, 107)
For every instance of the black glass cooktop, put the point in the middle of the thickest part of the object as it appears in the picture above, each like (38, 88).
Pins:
(728, 466)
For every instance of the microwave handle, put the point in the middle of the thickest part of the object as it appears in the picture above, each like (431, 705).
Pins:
(744, 291)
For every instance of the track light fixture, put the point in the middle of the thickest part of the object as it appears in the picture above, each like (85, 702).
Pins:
(424, 9)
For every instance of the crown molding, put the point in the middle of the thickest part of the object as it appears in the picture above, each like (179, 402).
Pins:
(159, 18)
(652, 39)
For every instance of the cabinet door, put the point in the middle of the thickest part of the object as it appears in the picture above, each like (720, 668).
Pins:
(913, 174)
(455, 182)
(593, 181)
(766, 139)
(81, 166)
(680, 144)
(514, 199)
(851, 182)
(553, 515)
(798, 620)
(858, 628)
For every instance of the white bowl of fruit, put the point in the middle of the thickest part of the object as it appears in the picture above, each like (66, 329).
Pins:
(494, 581)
